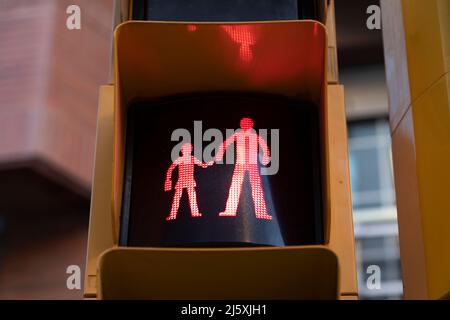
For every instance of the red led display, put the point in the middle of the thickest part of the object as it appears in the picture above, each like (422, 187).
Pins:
(254, 178)
(247, 143)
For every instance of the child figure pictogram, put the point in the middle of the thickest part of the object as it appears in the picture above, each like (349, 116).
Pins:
(186, 180)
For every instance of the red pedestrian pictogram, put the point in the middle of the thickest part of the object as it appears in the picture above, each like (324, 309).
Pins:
(186, 181)
(247, 142)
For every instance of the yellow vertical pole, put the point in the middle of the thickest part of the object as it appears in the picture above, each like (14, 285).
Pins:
(417, 54)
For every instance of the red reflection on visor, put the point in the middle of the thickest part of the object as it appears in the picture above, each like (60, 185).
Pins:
(192, 27)
(243, 35)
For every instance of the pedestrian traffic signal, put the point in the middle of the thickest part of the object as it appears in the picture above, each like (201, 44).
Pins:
(224, 136)
(245, 155)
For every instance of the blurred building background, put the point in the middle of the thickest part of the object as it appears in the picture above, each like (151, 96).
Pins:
(362, 72)
(49, 80)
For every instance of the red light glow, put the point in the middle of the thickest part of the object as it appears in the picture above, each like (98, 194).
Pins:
(247, 142)
(243, 35)
(186, 181)
(192, 28)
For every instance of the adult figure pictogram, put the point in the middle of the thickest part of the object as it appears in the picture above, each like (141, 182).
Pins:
(247, 143)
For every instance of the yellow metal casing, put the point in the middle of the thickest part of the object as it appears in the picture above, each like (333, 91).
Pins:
(218, 274)
(184, 67)
(417, 50)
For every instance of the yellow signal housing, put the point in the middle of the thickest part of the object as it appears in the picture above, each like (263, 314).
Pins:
(155, 59)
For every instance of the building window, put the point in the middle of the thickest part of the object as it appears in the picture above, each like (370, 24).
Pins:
(371, 164)
(374, 209)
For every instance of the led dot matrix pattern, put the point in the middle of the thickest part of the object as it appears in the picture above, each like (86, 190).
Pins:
(186, 180)
(247, 143)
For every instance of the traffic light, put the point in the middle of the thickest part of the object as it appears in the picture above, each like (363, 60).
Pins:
(223, 140)
(205, 80)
